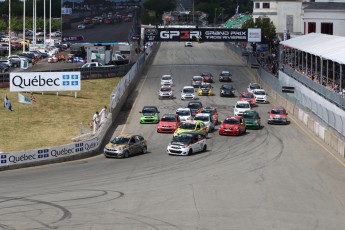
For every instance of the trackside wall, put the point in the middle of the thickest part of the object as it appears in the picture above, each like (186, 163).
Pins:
(84, 148)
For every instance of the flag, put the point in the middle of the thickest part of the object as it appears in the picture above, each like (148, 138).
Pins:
(23, 99)
(7, 104)
(32, 97)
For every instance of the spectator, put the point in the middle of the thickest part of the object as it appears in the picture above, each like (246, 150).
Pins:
(103, 114)
(95, 122)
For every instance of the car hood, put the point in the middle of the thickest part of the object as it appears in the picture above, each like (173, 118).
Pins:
(177, 143)
(230, 125)
(111, 145)
(278, 115)
(166, 123)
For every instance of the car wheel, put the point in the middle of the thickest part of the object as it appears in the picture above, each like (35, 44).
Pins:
(126, 154)
(144, 150)
(205, 148)
(190, 151)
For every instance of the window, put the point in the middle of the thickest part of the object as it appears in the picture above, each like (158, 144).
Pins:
(327, 28)
(257, 5)
(311, 27)
(266, 5)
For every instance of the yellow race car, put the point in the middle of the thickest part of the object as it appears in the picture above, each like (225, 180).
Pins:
(205, 90)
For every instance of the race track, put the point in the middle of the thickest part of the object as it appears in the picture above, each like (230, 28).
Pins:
(279, 177)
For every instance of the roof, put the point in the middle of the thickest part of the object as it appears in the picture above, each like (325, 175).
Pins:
(326, 6)
(326, 46)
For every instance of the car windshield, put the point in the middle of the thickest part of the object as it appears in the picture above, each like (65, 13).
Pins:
(194, 105)
(168, 118)
(183, 138)
(242, 105)
(202, 118)
(166, 78)
(249, 115)
(190, 126)
(183, 113)
(149, 110)
(166, 89)
(260, 92)
(255, 86)
(226, 87)
(120, 140)
(206, 74)
(188, 90)
(209, 111)
(277, 111)
(231, 121)
(247, 95)
(205, 87)
(197, 78)
(225, 74)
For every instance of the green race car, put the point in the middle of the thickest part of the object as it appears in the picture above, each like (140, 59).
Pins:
(252, 119)
(149, 115)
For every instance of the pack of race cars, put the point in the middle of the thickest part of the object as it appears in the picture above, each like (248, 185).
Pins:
(190, 125)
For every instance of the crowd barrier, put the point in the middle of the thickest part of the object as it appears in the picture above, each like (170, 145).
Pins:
(84, 148)
(331, 131)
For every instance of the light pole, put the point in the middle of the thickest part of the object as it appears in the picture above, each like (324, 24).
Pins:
(193, 13)
(24, 41)
(50, 19)
(44, 22)
(9, 28)
(215, 16)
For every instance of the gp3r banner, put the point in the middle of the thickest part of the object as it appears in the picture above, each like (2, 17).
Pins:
(44, 81)
(195, 34)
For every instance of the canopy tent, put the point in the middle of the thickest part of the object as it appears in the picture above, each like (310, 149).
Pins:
(325, 46)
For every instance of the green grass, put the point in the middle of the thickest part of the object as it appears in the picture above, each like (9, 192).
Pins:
(53, 120)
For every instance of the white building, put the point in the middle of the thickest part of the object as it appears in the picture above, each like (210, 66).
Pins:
(303, 16)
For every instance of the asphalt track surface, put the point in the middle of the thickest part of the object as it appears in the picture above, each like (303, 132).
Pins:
(279, 177)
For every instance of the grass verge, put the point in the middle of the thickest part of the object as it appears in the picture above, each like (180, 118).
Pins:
(53, 120)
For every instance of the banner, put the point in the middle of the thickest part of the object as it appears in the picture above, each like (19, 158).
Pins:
(44, 81)
(195, 34)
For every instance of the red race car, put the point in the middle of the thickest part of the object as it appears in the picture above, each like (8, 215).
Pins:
(248, 96)
(212, 111)
(207, 76)
(232, 126)
(168, 123)
(278, 115)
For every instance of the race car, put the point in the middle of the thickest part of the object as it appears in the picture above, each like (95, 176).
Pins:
(252, 119)
(232, 125)
(125, 145)
(227, 90)
(210, 110)
(205, 90)
(188, 92)
(249, 97)
(191, 126)
(225, 76)
(253, 86)
(168, 123)
(240, 107)
(207, 119)
(149, 115)
(186, 144)
(184, 114)
(197, 81)
(167, 80)
(277, 115)
(207, 76)
(166, 92)
(260, 96)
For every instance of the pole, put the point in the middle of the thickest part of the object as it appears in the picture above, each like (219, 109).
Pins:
(193, 13)
(215, 15)
(44, 22)
(9, 28)
(50, 19)
(24, 41)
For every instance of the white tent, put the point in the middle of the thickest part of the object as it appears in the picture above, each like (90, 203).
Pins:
(325, 46)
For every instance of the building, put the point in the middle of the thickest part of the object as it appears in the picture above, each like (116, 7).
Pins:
(303, 16)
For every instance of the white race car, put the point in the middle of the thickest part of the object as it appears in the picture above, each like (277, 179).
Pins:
(253, 86)
(184, 114)
(260, 96)
(240, 107)
(167, 80)
(187, 143)
(207, 119)
(188, 92)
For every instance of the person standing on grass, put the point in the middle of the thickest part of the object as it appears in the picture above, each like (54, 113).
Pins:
(103, 114)
(95, 122)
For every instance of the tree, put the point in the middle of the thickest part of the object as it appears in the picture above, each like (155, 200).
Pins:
(268, 30)
(160, 6)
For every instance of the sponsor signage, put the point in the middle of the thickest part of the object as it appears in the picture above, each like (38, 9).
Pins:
(136, 37)
(195, 34)
(66, 10)
(73, 38)
(44, 81)
(48, 153)
(254, 35)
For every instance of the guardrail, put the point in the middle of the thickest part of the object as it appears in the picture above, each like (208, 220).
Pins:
(85, 148)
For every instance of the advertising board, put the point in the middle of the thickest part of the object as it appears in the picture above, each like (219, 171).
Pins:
(254, 35)
(195, 34)
(48, 153)
(44, 81)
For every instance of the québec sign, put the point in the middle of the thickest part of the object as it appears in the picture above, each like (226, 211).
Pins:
(196, 34)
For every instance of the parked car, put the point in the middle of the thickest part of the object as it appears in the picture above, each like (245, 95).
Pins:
(14, 61)
(4, 68)
(125, 145)
(232, 125)
(277, 115)
(187, 143)
(6, 61)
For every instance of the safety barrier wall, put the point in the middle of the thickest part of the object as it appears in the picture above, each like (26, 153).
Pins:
(303, 102)
(85, 148)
